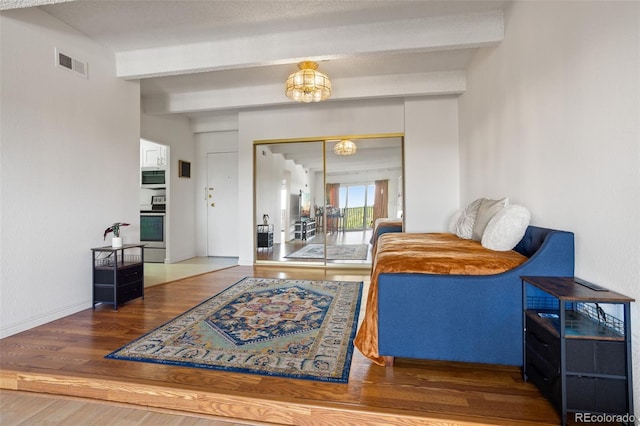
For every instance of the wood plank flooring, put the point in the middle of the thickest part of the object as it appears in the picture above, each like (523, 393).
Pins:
(66, 357)
(28, 409)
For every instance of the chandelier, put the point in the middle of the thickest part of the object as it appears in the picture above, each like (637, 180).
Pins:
(344, 147)
(307, 84)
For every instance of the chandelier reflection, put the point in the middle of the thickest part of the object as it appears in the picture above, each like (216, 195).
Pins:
(345, 147)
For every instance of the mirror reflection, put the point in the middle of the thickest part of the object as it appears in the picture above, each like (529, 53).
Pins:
(317, 202)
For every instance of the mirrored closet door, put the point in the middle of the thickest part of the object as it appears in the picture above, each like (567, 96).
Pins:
(317, 201)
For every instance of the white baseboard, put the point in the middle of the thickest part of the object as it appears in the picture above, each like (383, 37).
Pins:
(43, 319)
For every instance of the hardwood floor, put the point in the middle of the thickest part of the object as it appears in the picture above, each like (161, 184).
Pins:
(28, 409)
(66, 357)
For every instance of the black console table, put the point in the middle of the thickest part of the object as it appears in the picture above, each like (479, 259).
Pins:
(265, 236)
(575, 350)
(118, 274)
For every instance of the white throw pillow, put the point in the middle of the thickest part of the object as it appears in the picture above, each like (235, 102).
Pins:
(487, 209)
(453, 222)
(464, 227)
(506, 228)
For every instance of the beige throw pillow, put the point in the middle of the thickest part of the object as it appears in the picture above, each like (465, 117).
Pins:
(487, 209)
(464, 227)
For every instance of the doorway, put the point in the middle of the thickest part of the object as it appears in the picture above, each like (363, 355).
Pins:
(154, 219)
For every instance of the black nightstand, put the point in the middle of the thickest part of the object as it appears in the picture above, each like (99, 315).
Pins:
(265, 236)
(576, 350)
(118, 274)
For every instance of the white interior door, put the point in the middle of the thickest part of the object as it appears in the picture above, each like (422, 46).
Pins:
(222, 204)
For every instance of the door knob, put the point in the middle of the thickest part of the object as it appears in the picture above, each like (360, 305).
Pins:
(213, 204)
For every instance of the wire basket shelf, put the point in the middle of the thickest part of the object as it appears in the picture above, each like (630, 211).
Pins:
(110, 261)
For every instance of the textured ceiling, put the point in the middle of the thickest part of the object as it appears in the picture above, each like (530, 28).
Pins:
(127, 25)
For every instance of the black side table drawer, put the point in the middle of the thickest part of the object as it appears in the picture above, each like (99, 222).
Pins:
(265, 239)
(540, 339)
(130, 274)
(129, 292)
(596, 394)
(596, 356)
(547, 367)
(103, 293)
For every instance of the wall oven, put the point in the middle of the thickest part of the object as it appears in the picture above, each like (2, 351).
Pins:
(153, 230)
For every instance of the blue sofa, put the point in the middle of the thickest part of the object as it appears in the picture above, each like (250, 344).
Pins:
(463, 317)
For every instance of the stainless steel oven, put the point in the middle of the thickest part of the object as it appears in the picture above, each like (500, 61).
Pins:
(153, 230)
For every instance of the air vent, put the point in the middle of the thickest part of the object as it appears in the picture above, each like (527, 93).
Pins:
(69, 63)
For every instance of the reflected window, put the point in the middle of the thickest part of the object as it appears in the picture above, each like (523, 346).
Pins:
(356, 205)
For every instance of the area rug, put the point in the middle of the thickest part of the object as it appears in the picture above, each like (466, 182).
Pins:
(341, 252)
(275, 327)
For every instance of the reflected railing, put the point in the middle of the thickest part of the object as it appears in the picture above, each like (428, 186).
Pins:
(358, 218)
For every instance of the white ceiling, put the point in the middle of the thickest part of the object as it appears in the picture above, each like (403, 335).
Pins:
(200, 58)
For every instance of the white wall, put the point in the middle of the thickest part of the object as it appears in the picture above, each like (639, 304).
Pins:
(69, 167)
(364, 117)
(175, 132)
(551, 119)
(431, 167)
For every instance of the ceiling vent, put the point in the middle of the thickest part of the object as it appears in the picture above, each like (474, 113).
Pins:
(69, 63)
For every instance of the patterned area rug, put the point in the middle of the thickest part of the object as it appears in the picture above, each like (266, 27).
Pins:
(276, 327)
(342, 252)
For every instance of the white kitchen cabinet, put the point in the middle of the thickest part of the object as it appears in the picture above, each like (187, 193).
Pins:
(152, 154)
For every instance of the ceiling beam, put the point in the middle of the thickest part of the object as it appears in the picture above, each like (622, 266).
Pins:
(366, 87)
(413, 35)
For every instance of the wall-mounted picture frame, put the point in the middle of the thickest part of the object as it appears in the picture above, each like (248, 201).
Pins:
(184, 169)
